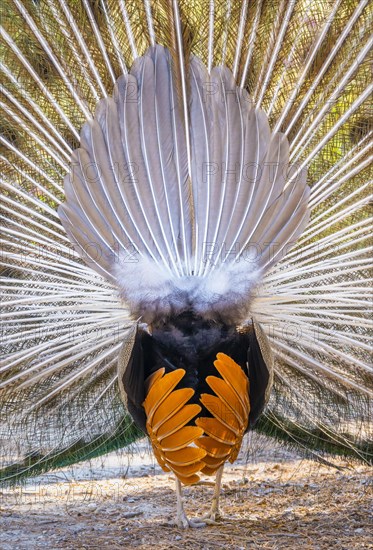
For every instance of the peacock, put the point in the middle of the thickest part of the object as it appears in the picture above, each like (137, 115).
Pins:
(185, 231)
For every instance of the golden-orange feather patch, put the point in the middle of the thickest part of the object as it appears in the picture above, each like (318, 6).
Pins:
(213, 447)
(211, 470)
(185, 457)
(188, 480)
(173, 403)
(153, 378)
(182, 438)
(167, 415)
(160, 459)
(215, 429)
(178, 420)
(220, 411)
(160, 389)
(213, 461)
(188, 448)
(189, 469)
(235, 377)
(227, 395)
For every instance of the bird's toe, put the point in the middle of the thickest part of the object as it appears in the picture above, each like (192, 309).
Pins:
(197, 523)
(183, 522)
(208, 519)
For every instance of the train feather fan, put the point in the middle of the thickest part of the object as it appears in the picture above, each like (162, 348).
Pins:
(185, 231)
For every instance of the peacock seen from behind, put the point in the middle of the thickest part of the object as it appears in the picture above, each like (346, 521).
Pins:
(185, 231)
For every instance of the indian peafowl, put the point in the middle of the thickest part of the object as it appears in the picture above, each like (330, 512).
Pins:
(185, 252)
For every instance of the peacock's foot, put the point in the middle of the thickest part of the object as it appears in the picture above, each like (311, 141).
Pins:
(183, 522)
(214, 517)
(208, 519)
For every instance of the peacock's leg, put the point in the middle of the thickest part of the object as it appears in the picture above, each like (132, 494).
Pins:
(214, 514)
(214, 510)
(182, 520)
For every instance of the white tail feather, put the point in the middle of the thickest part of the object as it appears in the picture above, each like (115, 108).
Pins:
(62, 319)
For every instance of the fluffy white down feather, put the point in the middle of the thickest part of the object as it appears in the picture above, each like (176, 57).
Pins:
(154, 295)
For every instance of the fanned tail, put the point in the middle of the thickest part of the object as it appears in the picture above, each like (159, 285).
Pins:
(306, 70)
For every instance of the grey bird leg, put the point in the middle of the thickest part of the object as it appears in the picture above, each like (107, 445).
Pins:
(214, 510)
(181, 518)
(214, 514)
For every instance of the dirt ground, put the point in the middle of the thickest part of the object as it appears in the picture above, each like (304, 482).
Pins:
(273, 499)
